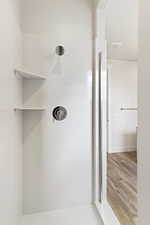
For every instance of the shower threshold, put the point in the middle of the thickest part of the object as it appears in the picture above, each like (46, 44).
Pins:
(75, 216)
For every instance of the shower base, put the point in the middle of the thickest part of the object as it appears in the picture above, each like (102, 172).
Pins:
(75, 216)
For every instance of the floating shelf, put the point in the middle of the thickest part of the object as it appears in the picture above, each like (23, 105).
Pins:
(29, 109)
(28, 75)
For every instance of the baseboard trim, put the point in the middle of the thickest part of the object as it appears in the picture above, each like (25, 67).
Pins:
(123, 149)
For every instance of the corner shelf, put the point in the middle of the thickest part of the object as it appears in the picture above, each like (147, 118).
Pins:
(30, 108)
(28, 75)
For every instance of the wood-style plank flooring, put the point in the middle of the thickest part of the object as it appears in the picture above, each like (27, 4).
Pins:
(122, 186)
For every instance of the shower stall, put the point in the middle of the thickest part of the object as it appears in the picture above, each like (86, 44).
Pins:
(53, 113)
(46, 112)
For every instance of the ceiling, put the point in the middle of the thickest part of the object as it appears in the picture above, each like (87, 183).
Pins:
(122, 29)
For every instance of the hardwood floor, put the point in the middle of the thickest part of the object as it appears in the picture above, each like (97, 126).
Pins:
(122, 186)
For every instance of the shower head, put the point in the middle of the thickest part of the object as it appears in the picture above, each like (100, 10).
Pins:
(60, 50)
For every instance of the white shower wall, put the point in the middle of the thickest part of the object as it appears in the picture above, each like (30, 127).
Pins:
(57, 155)
(10, 121)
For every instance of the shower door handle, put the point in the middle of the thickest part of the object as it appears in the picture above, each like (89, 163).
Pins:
(100, 128)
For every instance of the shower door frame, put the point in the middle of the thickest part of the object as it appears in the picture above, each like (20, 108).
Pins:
(99, 112)
(100, 120)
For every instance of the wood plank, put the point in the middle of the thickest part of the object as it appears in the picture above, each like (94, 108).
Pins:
(122, 186)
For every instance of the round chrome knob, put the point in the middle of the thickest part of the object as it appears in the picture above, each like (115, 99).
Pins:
(59, 113)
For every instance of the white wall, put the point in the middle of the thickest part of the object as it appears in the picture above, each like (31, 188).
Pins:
(10, 121)
(144, 112)
(57, 155)
(123, 93)
(122, 26)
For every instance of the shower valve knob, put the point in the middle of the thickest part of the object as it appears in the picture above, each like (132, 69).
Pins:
(59, 113)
